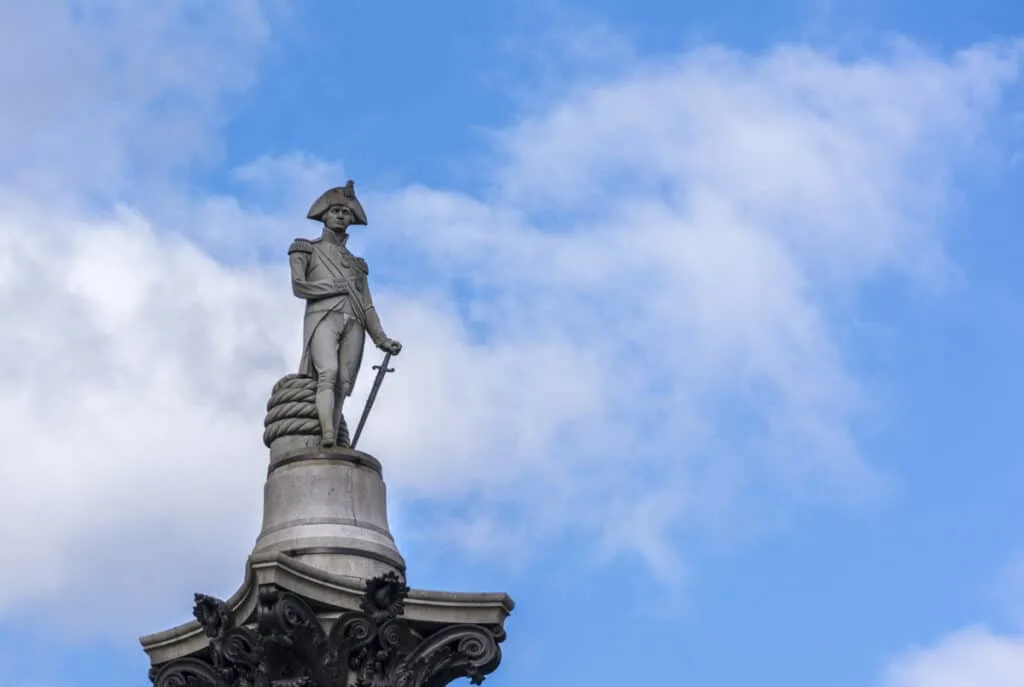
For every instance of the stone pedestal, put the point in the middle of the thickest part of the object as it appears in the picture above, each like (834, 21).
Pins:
(328, 509)
(324, 601)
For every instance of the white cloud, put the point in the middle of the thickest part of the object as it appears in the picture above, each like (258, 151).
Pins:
(842, 160)
(649, 338)
(698, 227)
(99, 94)
(134, 366)
(973, 657)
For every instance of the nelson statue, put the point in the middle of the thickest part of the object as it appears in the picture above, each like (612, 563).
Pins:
(339, 309)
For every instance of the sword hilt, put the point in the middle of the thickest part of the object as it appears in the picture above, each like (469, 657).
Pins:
(384, 364)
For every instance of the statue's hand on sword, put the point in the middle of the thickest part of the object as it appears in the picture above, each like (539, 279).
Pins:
(390, 346)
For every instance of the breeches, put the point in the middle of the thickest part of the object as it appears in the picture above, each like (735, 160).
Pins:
(336, 350)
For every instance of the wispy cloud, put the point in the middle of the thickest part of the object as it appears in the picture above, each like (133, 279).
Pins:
(974, 657)
(693, 232)
(103, 95)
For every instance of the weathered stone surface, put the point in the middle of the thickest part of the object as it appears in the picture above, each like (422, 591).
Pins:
(328, 508)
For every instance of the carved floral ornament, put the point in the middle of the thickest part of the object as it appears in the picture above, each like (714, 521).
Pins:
(372, 647)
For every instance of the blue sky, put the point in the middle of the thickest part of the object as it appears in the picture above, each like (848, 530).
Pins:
(710, 311)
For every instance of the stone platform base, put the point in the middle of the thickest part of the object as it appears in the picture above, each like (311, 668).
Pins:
(293, 625)
(328, 508)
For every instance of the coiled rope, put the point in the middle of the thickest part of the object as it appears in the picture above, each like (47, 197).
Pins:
(291, 411)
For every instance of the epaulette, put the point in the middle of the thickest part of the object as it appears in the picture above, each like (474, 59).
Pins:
(300, 246)
(361, 264)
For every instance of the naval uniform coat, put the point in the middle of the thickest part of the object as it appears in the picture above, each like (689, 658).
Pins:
(333, 280)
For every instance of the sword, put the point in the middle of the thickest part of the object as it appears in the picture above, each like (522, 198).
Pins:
(382, 370)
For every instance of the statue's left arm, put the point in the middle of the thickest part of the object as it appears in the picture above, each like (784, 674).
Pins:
(373, 326)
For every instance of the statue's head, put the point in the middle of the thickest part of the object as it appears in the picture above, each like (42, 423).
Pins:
(338, 208)
(338, 217)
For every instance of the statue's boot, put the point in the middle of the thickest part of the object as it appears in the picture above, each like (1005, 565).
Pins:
(339, 417)
(325, 412)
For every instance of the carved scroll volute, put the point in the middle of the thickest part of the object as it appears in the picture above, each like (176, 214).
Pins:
(241, 647)
(187, 672)
(295, 619)
(350, 637)
(294, 644)
(460, 651)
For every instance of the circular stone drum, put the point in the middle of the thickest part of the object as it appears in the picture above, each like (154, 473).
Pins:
(328, 509)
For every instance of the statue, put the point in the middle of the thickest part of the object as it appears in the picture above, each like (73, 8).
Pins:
(325, 596)
(339, 308)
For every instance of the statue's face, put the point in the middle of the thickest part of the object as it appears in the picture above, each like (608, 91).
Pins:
(338, 217)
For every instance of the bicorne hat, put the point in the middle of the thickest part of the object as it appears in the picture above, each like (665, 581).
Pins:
(340, 195)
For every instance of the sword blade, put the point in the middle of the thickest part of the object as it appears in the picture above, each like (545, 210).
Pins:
(382, 370)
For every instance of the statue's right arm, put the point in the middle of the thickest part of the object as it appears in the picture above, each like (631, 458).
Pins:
(298, 259)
